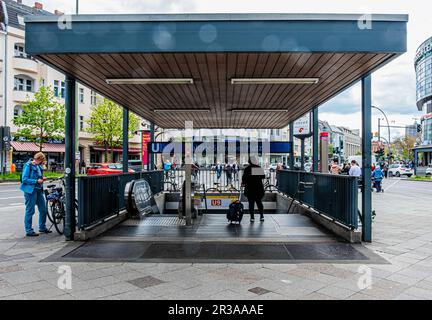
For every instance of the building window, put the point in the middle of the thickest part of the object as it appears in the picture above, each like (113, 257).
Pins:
(17, 111)
(19, 50)
(56, 88)
(23, 83)
(81, 123)
(81, 95)
(93, 98)
(63, 89)
(43, 82)
(21, 20)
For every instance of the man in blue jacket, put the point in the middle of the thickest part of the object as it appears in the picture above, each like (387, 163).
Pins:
(32, 186)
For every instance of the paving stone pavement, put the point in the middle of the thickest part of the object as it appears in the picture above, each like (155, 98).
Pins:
(402, 234)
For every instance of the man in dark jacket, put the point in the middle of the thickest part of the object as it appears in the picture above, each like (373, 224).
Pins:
(254, 188)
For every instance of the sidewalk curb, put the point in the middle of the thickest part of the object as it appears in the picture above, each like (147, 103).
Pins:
(9, 182)
(417, 180)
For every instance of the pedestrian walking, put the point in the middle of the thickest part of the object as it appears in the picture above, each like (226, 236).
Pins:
(252, 180)
(32, 185)
(218, 170)
(83, 167)
(346, 169)
(235, 171)
(385, 170)
(377, 175)
(228, 173)
(355, 170)
(167, 168)
(334, 168)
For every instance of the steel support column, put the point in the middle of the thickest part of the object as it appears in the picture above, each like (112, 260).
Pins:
(152, 138)
(291, 138)
(302, 162)
(367, 158)
(70, 101)
(315, 140)
(125, 140)
(416, 162)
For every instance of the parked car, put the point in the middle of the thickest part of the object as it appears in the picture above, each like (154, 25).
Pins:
(105, 168)
(135, 165)
(399, 170)
(273, 167)
(429, 171)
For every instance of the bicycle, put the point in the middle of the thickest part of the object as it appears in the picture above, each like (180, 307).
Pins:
(268, 186)
(56, 204)
(216, 188)
(173, 186)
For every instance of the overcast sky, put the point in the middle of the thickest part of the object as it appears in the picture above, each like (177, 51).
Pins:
(393, 85)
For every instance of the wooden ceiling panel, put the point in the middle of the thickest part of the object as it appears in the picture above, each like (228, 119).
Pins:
(212, 88)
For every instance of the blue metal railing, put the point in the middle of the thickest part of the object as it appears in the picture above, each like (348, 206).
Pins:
(101, 197)
(335, 196)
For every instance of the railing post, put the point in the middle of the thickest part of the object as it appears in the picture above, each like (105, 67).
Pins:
(70, 101)
(291, 138)
(152, 138)
(125, 140)
(367, 158)
(315, 140)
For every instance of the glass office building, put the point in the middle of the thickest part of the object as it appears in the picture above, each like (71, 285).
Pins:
(423, 67)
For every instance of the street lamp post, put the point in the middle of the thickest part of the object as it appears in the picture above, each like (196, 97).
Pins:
(379, 122)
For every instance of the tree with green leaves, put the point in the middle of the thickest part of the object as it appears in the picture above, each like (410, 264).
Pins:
(41, 119)
(106, 125)
(404, 146)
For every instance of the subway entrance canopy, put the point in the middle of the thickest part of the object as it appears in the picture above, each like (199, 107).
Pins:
(218, 70)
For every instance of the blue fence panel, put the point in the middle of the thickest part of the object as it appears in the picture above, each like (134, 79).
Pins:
(335, 196)
(101, 197)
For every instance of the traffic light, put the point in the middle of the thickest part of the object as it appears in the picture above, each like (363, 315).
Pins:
(419, 128)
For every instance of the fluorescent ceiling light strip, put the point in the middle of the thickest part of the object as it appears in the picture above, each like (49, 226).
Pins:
(259, 110)
(151, 81)
(274, 80)
(180, 110)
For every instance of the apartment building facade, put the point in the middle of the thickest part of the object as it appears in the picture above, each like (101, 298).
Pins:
(21, 76)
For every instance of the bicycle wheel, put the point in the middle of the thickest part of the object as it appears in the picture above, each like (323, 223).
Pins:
(233, 189)
(59, 217)
(49, 207)
(270, 188)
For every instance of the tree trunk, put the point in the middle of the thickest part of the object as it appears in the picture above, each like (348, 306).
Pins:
(106, 152)
(41, 142)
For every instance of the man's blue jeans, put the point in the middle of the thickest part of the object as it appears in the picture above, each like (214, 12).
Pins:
(31, 200)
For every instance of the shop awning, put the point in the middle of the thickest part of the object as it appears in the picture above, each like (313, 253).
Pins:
(117, 150)
(33, 147)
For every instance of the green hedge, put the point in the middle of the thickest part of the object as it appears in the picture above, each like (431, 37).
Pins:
(16, 176)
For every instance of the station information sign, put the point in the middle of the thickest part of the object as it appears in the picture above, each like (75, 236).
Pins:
(229, 147)
(302, 126)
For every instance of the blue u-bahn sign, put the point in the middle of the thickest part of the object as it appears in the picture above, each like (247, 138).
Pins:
(226, 147)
